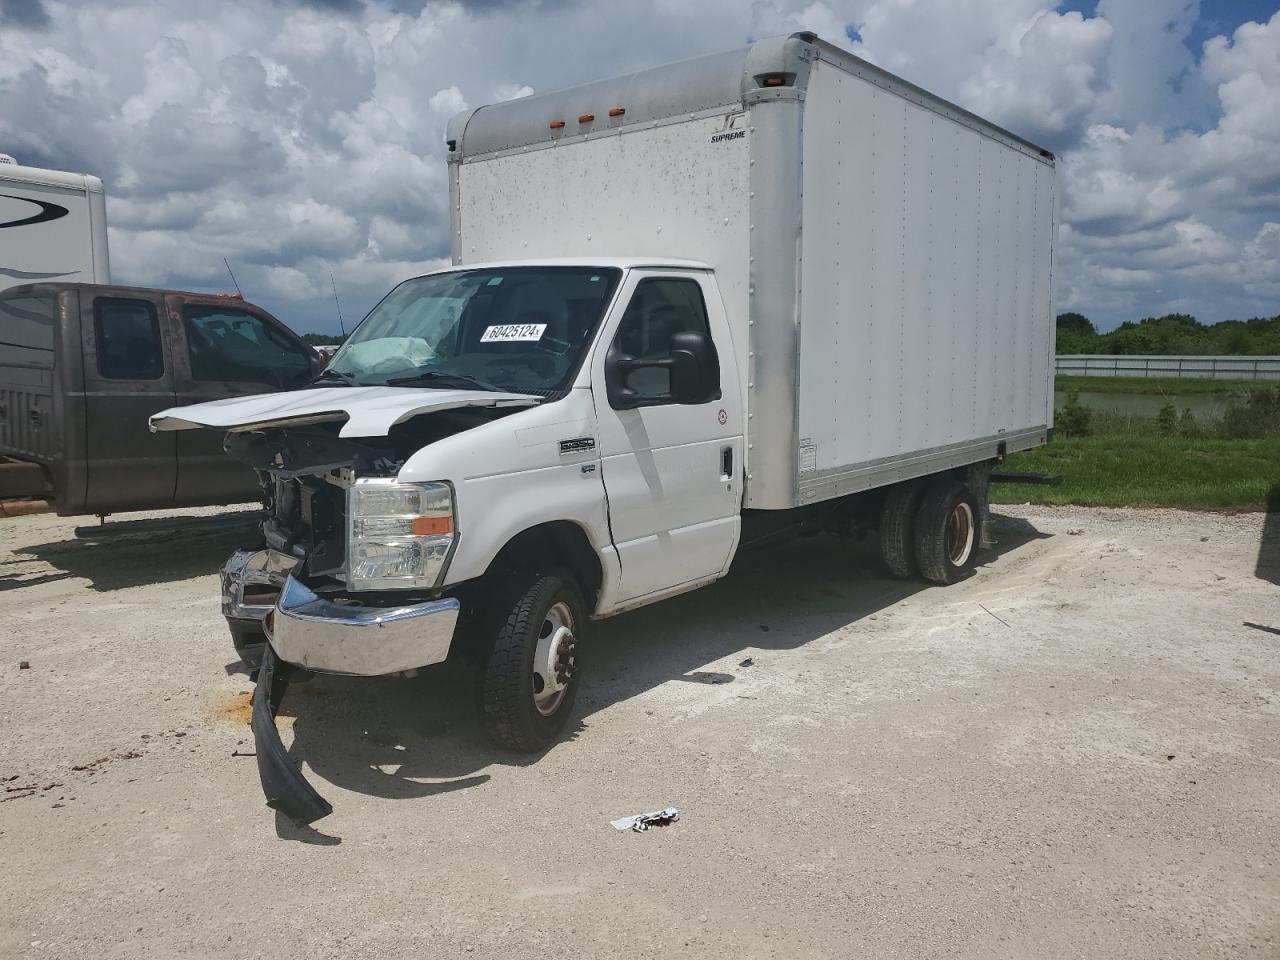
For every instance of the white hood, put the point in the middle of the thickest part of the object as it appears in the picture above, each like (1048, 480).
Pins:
(368, 411)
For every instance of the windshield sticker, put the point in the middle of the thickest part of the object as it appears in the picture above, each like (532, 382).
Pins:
(514, 332)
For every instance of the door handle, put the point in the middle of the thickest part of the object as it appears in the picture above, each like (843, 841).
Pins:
(726, 463)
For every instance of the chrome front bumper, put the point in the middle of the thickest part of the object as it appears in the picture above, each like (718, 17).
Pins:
(251, 581)
(308, 631)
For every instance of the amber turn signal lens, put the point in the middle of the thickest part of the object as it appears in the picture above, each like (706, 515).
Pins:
(617, 111)
(557, 124)
(774, 81)
(586, 118)
(432, 526)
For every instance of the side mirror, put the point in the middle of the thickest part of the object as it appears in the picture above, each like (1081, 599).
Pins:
(691, 367)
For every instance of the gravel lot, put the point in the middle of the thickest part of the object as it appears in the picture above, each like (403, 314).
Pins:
(1076, 753)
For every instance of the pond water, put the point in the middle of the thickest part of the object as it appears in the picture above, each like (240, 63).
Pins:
(1204, 406)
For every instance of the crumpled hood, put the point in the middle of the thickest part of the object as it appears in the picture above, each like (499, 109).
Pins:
(368, 411)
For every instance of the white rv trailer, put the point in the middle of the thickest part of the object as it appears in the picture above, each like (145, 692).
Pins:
(53, 227)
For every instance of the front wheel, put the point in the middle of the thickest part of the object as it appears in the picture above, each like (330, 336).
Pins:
(530, 678)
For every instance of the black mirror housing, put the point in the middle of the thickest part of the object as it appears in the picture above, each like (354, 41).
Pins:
(692, 365)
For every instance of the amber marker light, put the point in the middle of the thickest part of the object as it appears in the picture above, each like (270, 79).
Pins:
(557, 124)
(432, 526)
(617, 111)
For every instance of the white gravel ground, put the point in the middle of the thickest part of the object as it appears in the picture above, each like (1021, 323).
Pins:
(1076, 753)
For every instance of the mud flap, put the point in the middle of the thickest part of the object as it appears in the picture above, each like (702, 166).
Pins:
(283, 784)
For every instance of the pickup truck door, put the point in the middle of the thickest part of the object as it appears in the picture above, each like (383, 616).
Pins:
(128, 375)
(671, 471)
(225, 348)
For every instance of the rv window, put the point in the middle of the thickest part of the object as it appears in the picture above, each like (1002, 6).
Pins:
(128, 339)
(660, 308)
(226, 344)
(26, 331)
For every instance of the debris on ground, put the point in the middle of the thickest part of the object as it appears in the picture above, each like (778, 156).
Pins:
(24, 664)
(746, 663)
(643, 821)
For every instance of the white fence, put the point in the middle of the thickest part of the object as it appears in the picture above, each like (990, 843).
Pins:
(1211, 368)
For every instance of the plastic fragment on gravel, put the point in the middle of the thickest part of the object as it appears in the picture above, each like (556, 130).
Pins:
(643, 821)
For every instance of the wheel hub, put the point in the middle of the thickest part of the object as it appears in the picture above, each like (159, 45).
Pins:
(554, 661)
(960, 534)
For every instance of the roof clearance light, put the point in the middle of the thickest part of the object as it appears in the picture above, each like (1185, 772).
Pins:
(557, 124)
(617, 111)
(776, 80)
(586, 118)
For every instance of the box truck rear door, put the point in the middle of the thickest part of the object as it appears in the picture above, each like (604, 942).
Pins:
(671, 470)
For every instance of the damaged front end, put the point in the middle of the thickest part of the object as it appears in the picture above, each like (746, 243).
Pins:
(345, 581)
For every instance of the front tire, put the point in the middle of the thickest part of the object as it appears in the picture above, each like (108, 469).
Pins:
(529, 680)
(947, 532)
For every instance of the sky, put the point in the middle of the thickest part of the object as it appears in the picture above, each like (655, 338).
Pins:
(304, 138)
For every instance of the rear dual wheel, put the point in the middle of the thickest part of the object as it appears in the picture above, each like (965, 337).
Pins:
(947, 532)
(930, 530)
(897, 526)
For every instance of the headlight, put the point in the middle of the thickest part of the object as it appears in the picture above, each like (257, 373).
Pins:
(399, 534)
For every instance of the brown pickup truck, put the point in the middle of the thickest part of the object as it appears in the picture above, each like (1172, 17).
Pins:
(82, 367)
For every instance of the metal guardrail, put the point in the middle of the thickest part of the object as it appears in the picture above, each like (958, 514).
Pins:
(1209, 368)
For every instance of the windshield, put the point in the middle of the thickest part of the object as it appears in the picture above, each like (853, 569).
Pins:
(520, 329)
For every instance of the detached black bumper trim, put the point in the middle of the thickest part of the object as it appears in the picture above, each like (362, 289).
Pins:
(283, 784)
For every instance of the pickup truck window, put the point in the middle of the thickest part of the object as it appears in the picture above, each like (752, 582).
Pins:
(127, 333)
(660, 308)
(26, 332)
(523, 329)
(226, 344)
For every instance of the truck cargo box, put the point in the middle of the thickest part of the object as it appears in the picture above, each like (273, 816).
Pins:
(885, 257)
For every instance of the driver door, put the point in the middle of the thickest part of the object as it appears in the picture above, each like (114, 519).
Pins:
(223, 348)
(671, 470)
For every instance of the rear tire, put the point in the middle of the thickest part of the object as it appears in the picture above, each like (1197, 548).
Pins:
(529, 680)
(897, 523)
(947, 531)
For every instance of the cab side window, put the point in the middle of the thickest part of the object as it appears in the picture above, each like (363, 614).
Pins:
(660, 308)
(225, 344)
(27, 330)
(127, 333)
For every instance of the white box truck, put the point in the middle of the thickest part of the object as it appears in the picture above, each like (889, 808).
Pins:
(690, 310)
(53, 226)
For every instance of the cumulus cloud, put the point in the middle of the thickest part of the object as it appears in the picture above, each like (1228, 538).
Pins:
(1204, 199)
(299, 137)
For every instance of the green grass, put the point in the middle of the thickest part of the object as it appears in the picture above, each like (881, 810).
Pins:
(1155, 386)
(1140, 468)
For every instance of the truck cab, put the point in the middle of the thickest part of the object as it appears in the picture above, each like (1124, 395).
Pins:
(82, 367)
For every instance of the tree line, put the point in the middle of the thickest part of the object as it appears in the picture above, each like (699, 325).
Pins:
(322, 339)
(1172, 334)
